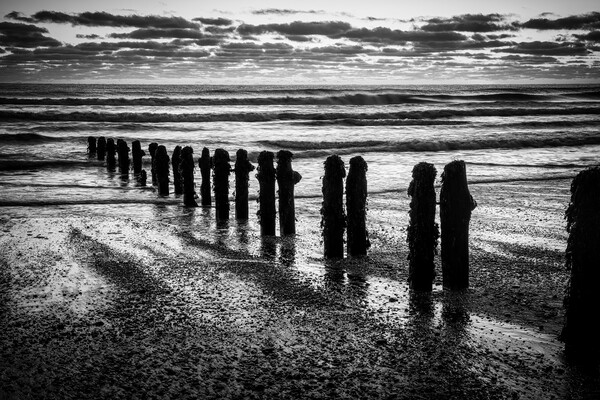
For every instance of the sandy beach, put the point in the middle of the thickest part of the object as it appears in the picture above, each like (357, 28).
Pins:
(96, 304)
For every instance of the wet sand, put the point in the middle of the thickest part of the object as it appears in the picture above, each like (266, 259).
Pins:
(156, 301)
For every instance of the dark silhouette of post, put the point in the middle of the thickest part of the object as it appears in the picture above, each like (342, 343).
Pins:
(152, 150)
(186, 173)
(161, 168)
(101, 148)
(456, 204)
(581, 333)
(221, 171)
(333, 220)
(356, 207)
(123, 152)
(423, 232)
(91, 149)
(266, 194)
(111, 150)
(242, 169)
(142, 178)
(286, 179)
(137, 153)
(175, 160)
(205, 164)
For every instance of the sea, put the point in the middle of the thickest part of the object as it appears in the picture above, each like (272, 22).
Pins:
(504, 133)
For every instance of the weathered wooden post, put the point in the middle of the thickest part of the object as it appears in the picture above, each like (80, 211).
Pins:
(161, 168)
(333, 220)
(242, 169)
(456, 204)
(175, 160)
(581, 333)
(142, 178)
(286, 179)
(123, 152)
(266, 194)
(152, 150)
(221, 171)
(186, 172)
(356, 207)
(423, 232)
(205, 164)
(91, 149)
(101, 148)
(137, 153)
(111, 150)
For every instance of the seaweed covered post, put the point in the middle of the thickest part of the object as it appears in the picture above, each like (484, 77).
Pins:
(161, 168)
(423, 232)
(175, 160)
(152, 150)
(91, 149)
(101, 148)
(356, 207)
(242, 170)
(137, 153)
(205, 164)
(266, 195)
(186, 172)
(123, 152)
(221, 171)
(111, 150)
(333, 220)
(582, 302)
(286, 179)
(456, 204)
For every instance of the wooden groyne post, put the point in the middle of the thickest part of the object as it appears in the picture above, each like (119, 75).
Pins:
(242, 168)
(152, 150)
(101, 148)
(186, 173)
(356, 207)
(423, 232)
(137, 153)
(286, 179)
(161, 168)
(581, 333)
(266, 195)
(221, 172)
(205, 164)
(91, 149)
(333, 220)
(111, 150)
(456, 204)
(175, 160)
(123, 152)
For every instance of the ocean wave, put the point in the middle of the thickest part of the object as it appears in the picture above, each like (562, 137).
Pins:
(27, 137)
(67, 202)
(15, 165)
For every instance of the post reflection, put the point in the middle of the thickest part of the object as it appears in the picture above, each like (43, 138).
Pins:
(287, 251)
(268, 247)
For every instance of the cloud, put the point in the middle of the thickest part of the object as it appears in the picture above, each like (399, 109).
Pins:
(547, 49)
(25, 35)
(593, 36)
(468, 23)
(107, 19)
(387, 35)
(297, 28)
(92, 36)
(583, 21)
(299, 38)
(284, 11)
(18, 16)
(214, 21)
(159, 34)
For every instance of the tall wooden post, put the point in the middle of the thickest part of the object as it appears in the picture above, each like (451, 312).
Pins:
(123, 152)
(111, 150)
(456, 204)
(333, 219)
(221, 172)
(137, 153)
(91, 149)
(423, 232)
(205, 164)
(101, 148)
(152, 150)
(266, 195)
(161, 168)
(286, 179)
(175, 160)
(186, 173)
(242, 169)
(356, 207)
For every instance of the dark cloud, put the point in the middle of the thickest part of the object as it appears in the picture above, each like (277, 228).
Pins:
(547, 49)
(297, 28)
(299, 38)
(583, 21)
(113, 46)
(107, 19)
(92, 36)
(214, 21)
(387, 35)
(25, 35)
(18, 16)
(593, 36)
(159, 34)
(217, 30)
(285, 11)
(346, 50)
(468, 23)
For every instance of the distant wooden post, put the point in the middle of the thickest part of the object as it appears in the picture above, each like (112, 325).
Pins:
(356, 207)
(91, 149)
(423, 232)
(175, 160)
(123, 152)
(456, 204)
(111, 150)
(286, 179)
(152, 150)
(221, 172)
(101, 148)
(186, 173)
(242, 169)
(161, 168)
(205, 164)
(266, 195)
(137, 153)
(581, 333)
(333, 219)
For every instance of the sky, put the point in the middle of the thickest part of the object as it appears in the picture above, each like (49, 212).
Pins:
(300, 42)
